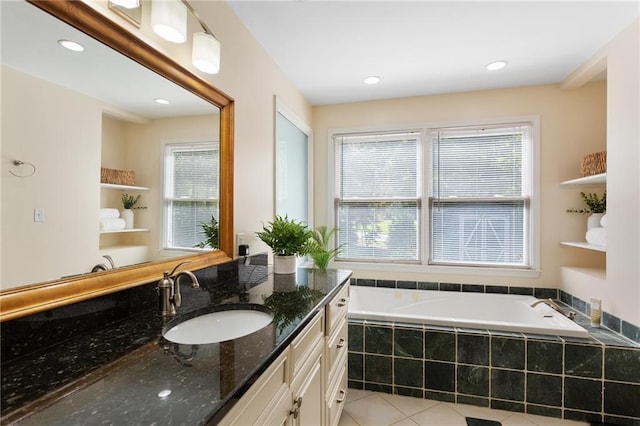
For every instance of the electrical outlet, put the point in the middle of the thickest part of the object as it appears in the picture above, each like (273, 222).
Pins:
(239, 239)
(38, 215)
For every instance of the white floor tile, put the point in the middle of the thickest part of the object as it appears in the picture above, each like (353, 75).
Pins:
(440, 415)
(408, 405)
(517, 420)
(480, 412)
(406, 422)
(373, 410)
(356, 394)
(552, 421)
(346, 420)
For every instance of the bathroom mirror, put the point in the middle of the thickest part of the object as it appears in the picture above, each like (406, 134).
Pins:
(200, 105)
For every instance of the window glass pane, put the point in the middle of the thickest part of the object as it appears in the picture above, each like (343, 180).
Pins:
(479, 233)
(195, 173)
(186, 219)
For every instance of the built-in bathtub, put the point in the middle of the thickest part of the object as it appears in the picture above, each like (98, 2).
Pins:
(501, 312)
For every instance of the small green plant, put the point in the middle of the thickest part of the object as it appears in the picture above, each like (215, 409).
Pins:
(211, 231)
(130, 202)
(594, 203)
(319, 249)
(285, 236)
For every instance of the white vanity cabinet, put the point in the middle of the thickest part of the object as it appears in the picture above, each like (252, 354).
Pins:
(307, 383)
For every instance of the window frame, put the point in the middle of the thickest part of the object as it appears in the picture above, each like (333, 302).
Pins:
(532, 177)
(164, 201)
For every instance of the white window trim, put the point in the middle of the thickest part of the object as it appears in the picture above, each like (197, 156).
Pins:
(163, 219)
(533, 170)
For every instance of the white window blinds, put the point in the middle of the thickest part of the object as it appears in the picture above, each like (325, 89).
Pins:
(480, 195)
(378, 196)
(191, 192)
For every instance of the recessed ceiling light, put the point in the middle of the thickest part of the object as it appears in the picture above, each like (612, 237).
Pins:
(162, 101)
(496, 65)
(71, 45)
(374, 79)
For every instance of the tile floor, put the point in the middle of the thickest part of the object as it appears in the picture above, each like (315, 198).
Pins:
(366, 408)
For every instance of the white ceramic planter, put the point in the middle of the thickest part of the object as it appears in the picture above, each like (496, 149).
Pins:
(284, 264)
(127, 216)
(593, 221)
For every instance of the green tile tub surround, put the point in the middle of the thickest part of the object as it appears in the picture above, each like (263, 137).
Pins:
(507, 353)
(473, 349)
(472, 380)
(582, 394)
(583, 360)
(544, 389)
(439, 376)
(622, 399)
(356, 366)
(378, 340)
(412, 392)
(540, 410)
(408, 372)
(497, 404)
(408, 342)
(544, 357)
(622, 365)
(507, 384)
(378, 369)
(440, 346)
(356, 337)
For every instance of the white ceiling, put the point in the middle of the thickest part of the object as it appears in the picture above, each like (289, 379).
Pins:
(428, 47)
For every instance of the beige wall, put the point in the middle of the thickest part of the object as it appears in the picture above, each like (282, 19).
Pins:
(572, 124)
(58, 131)
(620, 291)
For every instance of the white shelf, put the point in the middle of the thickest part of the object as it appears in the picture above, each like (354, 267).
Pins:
(120, 231)
(583, 245)
(587, 180)
(126, 187)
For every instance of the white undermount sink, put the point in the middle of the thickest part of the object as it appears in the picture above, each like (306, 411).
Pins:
(218, 326)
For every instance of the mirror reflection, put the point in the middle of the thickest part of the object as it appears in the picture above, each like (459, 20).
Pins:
(71, 114)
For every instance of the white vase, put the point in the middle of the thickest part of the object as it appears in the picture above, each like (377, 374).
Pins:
(593, 221)
(127, 216)
(284, 264)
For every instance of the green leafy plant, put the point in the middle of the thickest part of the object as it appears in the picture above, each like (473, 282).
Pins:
(595, 204)
(211, 232)
(130, 202)
(285, 236)
(318, 247)
(289, 306)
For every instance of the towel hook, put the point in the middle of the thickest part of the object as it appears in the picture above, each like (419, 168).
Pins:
(18, 163)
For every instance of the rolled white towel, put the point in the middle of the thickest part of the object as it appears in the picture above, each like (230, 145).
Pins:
(603, 221)
(597, 236)
(112, 224)
(109, 213)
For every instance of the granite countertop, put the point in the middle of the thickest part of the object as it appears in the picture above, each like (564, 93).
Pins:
(122, 373)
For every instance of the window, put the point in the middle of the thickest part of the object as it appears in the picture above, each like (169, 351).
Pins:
(478, 181)
(479, 198)
(378, 196)
(190, 192)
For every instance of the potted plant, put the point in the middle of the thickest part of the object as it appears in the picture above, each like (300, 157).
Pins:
(211, 233)
(596, 207)
(287, 238)
(129, 202)
(319, 250)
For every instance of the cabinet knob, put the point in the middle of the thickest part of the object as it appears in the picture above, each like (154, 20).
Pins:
(341, 343)
(297, 403)
(342, 302)
(343, 395)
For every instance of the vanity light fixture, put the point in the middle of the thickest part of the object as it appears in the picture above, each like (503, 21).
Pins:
(71, 45)
(162, 101)
(374, 79)
(496, 65)
(169, 20)
(206, 53)
(127, 4)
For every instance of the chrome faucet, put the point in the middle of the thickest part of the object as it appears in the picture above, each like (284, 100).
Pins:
(102, 266)
(549, 302)
(169, 289)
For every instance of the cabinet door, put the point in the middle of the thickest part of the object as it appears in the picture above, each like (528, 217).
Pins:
(308, 408)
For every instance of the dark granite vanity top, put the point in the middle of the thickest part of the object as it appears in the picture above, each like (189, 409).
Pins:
(105, 361)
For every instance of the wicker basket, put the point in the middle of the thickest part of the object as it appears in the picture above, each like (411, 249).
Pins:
(594, 164)
(118, 177)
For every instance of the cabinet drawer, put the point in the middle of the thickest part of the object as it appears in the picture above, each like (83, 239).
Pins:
(303, 345)
(337, 309)
(336, 345)
(337, 396)
(267, 392)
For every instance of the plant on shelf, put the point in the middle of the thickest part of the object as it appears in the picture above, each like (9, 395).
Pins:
(595, 204)
(211, 233)
(287, 238)
(318, 247)
(130, 202)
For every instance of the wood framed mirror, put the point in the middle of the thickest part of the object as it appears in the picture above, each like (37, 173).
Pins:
(37, 297)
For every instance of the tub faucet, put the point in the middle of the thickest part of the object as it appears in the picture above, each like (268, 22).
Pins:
(549, 302)
(169, 289)
(102, 266)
